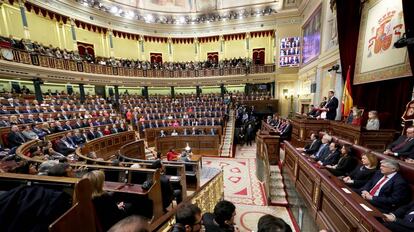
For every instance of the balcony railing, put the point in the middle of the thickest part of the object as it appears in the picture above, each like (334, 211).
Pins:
(85, 67)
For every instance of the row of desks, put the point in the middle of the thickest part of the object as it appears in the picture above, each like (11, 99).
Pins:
(331, 203)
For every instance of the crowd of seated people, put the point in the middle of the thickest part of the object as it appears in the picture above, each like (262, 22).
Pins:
(383, 186)
(281, 125)
(39, 48)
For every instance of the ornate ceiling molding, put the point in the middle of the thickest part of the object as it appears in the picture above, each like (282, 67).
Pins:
(98, 18)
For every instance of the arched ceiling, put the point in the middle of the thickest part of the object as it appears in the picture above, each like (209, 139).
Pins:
(192, 6)
(188, 18)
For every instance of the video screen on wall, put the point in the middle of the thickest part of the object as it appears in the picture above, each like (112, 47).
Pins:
(289, 52)
(312, 37)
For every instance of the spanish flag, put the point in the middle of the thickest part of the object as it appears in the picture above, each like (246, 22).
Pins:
(347, 101)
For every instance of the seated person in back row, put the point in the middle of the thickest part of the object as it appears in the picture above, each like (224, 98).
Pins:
(172, 155)
(373, 122)
(403, 147)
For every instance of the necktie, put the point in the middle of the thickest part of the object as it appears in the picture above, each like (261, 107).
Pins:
(320, 150)
(401, 145)
(377, 186)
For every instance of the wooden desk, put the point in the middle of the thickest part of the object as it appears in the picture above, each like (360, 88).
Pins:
(302, 128)
(124, 188)
(193, 158)
(272, 144)
(200, 144)
(151, 134)
(107, 146)
(329, 205)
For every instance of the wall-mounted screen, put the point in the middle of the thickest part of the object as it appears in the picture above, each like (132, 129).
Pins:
(289, 52)
(312, 37)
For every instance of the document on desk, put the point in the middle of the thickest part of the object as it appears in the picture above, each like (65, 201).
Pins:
(346, 190)
(365, 207)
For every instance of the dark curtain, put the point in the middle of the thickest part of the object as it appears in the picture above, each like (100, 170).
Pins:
(389, 98)
(348, 19)
(259, 56)
(213, 56)
(408, 7)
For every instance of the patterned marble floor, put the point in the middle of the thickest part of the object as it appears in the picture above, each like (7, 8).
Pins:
(243, 188)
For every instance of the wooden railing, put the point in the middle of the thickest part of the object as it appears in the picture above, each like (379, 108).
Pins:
(205, 198)
(332, 204)
(25, 57)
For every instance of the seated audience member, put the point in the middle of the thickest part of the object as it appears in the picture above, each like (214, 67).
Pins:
(15, 137)
(131, 224)
(174, 133)
(361, 174)
(403, 146)
(331, 158)
(187, 219)
(48, 150)
(401, 220)
(270, 223)
(185, 155)
(167, 191)
(162, 134)
(172, 155)
(29, 133)
(106, 131)
(351, 115)
(64, 147)
(323, 148)
(108, 211)
(222, 220)
(345, 164)
(357, 117)
(286, 132)
(313, 147)
(373, 122)
(61, 169)
(386, 190)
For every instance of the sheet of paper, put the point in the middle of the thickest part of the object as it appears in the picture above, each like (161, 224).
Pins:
(365, 207)
(346, 190)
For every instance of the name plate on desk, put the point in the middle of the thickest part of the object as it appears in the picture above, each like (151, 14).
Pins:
(365, 207)
(346, 190)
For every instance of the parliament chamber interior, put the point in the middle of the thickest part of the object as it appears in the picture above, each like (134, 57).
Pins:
(207, 115)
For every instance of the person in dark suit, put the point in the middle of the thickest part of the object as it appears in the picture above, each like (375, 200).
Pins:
(167, 191)
(386, 190)
(313, 147)
(346, 163)
(15, 137)
(91, 134)
(64, 147)
(67, 126)
(17, 110)
(332, 157)
(323, 148)
(4, 122)
(286, 132)
(403, 146)
(4, 110)
(401, 220)
(331, 106)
